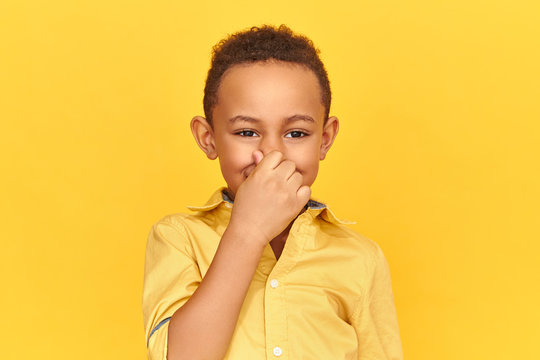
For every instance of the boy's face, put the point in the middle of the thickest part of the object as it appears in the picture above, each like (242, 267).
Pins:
(267, 106)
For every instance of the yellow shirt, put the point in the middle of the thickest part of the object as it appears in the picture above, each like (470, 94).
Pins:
(329, 296)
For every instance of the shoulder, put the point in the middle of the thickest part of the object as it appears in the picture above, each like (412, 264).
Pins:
(344, 232)
(196, 224)
(173, 232)
(179, 221)
(363, 248)
(368, 245)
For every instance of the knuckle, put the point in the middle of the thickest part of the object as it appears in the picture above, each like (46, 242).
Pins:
(275, 153)
(290, 163)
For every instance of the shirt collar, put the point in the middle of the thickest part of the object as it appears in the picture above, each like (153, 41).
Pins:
(316, 208)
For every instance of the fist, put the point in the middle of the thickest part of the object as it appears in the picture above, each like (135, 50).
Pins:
(272, 195)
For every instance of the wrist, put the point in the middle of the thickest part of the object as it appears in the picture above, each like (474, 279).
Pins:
(247, 235)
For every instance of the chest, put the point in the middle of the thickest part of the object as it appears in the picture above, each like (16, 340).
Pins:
(277, 248)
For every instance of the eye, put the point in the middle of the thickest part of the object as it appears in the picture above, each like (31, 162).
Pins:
(247, 133)
(296, 134)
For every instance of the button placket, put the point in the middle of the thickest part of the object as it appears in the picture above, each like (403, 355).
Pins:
(275, 317)
(275, 309)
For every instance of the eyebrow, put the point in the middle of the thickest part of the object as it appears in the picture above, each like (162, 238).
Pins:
(296, 117)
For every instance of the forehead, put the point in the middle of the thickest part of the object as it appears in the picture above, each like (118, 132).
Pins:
(269, 90)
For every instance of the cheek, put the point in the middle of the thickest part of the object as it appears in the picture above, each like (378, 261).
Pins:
(234, 157)
(307, 162)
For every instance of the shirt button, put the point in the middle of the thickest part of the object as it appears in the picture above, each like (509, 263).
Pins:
(274, 283)
(277, 351)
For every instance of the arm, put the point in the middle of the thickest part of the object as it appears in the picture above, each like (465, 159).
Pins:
(375, 318)
(266, 202)
(203, 327)
(173, 286)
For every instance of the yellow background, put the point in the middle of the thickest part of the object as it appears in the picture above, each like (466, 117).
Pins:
(437, 160)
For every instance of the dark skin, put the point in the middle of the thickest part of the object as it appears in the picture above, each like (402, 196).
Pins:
(278, 243)
(269, 134)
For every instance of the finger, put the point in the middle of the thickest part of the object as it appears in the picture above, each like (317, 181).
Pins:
(286, 168)
(296, 180)
(257, 156)
(303, 194)
(271, 160)
(249, 170)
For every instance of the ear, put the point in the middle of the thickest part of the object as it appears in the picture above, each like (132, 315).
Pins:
(204, 136)
(330, 131)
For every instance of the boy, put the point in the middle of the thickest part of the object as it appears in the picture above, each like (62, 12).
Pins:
(261, 271)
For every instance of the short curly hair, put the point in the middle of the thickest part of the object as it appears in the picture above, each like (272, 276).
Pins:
(262, 44)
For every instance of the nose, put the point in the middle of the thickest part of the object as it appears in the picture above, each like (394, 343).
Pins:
(271, 143)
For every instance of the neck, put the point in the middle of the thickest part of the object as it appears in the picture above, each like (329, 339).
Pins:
(282, 237)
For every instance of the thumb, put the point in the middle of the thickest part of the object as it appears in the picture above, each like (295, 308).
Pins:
(257, 156)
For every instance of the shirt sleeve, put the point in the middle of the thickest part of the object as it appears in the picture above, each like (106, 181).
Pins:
(171, 276)
(375, 318)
